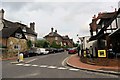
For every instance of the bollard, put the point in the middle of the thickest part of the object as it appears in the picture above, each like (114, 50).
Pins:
(21, 57)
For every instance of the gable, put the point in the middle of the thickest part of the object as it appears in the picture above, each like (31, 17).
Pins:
(12, 32)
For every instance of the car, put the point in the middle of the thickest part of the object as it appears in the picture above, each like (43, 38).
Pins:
(32, 51)
(51, 50)
(43, 51)
(72, 51)
(25, 54)
(60, 50)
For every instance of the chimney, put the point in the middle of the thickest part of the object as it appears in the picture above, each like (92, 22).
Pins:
(94, 16)
(115, 9)
(66, 35)
(32, 26)
(2, 14)
(52, 29)
(55, 31)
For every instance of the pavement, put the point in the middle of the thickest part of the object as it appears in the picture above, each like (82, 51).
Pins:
(74, 61)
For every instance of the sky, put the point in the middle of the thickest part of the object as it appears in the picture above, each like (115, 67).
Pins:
(68, 17)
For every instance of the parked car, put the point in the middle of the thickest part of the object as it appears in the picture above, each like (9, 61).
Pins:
(72, 51)
(38, 51)
(43, 51)
(51, 50)
(60, 50)
(32, 52)
(25, 54)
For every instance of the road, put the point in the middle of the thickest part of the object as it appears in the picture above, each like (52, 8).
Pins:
(47, 66)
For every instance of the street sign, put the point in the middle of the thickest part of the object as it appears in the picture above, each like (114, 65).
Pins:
(101, 53)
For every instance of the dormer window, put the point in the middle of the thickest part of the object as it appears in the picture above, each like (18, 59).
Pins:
(24, 29)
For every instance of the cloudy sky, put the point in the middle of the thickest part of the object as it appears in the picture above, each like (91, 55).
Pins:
(69, 17)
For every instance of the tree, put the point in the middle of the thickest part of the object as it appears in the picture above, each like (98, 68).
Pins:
(75, 44)
(42, 43)
(55, 45)
(29, 43)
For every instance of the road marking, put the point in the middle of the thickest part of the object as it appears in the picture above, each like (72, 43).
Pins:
(34, 65)
(26, 64)
(61, 68)
(19, 64)
(64, 61)
(72, 69)
(43, 66)
(52, 67)
(31, 60)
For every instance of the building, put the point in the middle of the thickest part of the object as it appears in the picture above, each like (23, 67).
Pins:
(60, 40)
(14, 36)
(105, 28)
(13, 39)
(29, 32)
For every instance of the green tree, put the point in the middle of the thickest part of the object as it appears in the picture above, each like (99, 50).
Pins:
(42, 43)
(29, 43)
(54, 45)
(75, 44)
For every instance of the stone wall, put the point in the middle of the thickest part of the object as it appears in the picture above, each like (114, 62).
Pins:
(12, 42)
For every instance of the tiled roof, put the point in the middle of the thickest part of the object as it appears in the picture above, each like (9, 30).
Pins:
(65, 37)
(9, 24)
(9, 32)
(107, 15)
(53, 34)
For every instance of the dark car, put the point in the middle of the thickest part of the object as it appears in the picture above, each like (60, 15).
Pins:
(60, 50)
(25, 54)
(72, 51)
(51, 50)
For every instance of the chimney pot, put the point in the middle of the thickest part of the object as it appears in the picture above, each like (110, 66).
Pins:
(32, 26)
(52, 29)
(2, 14)
(55, 31)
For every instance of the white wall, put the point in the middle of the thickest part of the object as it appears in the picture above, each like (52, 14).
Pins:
(1, 25)
(87, 44)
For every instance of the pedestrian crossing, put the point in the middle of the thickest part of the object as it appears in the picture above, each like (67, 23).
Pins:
(47, 66)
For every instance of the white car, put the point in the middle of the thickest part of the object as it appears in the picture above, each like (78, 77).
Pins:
(41, 51)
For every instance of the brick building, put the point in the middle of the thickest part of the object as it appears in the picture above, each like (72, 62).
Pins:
(61, 40)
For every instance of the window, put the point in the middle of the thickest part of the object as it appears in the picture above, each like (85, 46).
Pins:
(18, 35)
(56, 38)
(118, 20)
(24, 29)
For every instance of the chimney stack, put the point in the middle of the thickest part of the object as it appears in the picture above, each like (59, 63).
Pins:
(94, 17)
(52, 29)
(2, 14)
(55, 31)
(32, 26)
(115, 9)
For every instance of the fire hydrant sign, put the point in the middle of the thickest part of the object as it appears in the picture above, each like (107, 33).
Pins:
(101, 53)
